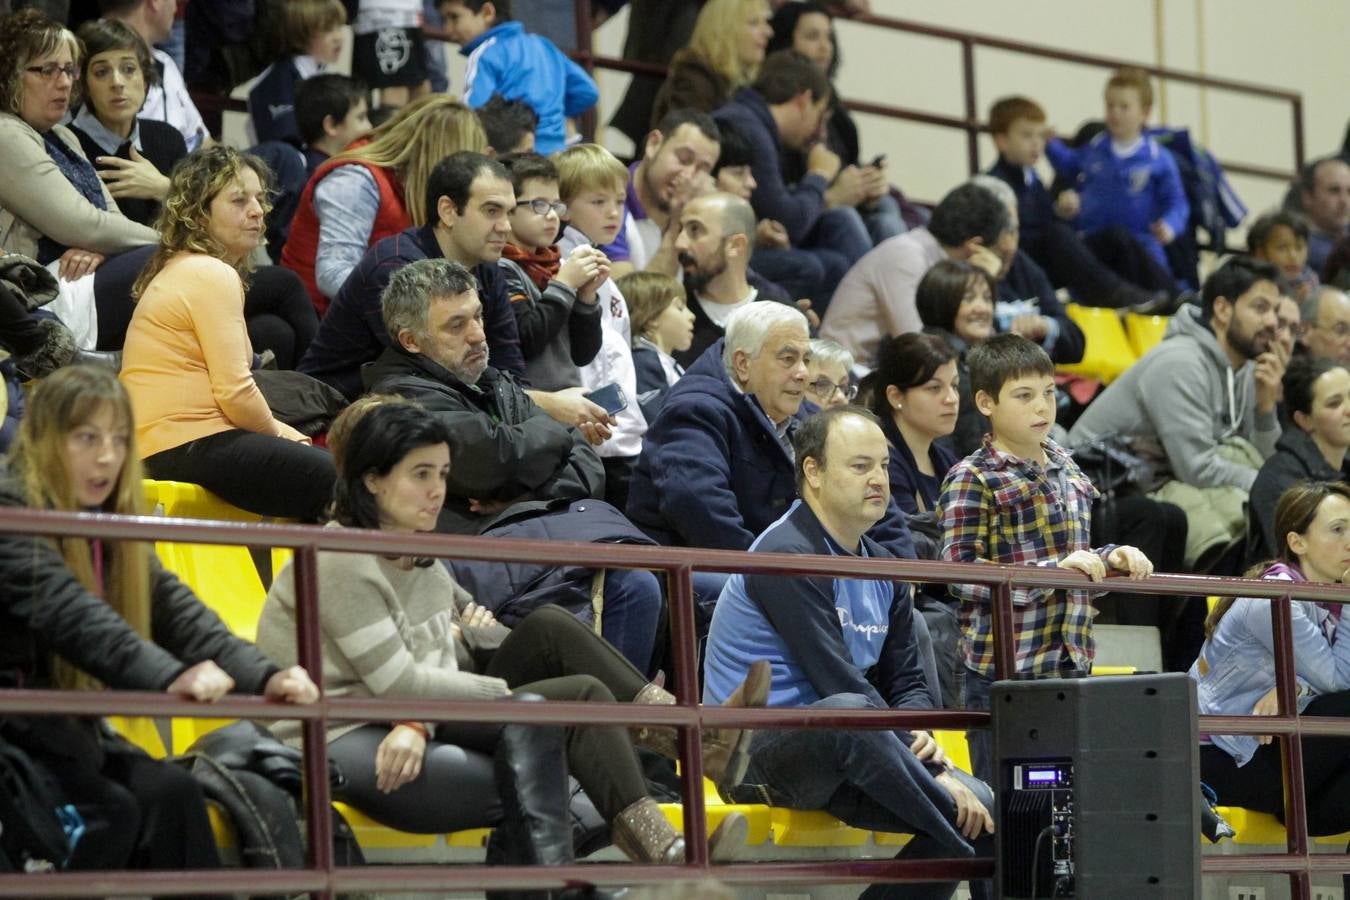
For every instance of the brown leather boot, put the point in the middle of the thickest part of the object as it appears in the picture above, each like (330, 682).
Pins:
(725, 750)
(644, 834)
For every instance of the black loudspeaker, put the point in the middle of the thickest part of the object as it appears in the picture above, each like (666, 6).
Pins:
(1096, 784)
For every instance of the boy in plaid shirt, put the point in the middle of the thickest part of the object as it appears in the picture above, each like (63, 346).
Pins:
(1022, 500)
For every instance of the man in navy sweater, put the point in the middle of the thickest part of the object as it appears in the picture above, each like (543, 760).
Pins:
(841, 643)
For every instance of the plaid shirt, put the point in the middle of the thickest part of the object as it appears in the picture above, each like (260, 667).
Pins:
(999, 508)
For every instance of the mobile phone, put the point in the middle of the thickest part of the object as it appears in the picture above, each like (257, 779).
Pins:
(610, 398)
(878, 160)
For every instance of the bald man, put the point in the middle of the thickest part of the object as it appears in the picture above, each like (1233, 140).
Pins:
(1326, 324)
(717, 236)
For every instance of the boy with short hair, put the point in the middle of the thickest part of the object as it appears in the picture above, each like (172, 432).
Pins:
(331, 112)
(1022, 500)
(594, 185)
(1281, 238)
(1126, 179)
(504, 59)
(509, 125)
(314, 36)
(554, 301)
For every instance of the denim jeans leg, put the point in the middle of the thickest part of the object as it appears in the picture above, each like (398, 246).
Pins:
(841, 229)
(980, 740)
(632, 611)
(883, 220)
(796, 271)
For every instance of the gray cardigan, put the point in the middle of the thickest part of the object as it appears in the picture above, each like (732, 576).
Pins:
(36, 200)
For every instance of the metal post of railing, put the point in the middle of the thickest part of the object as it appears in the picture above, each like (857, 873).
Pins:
(1005, 643)
(684, 637)
(972, 111)
(1295, 802)
(1296, 107)
(305, 570)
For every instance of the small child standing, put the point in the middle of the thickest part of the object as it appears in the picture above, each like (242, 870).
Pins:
(662, 325)
(557, 316)
(1281, 238)
(1022, 500)
(1126, 179)
(594, 185)
(331, 111)
(504, 59)
(313, 30)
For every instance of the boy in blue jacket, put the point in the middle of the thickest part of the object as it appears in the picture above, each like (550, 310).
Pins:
(1123, 177)
(504, 59)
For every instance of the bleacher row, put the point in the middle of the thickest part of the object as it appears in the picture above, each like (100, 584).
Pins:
(227, 580)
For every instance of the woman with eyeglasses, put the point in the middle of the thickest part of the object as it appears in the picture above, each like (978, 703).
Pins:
(828, 382)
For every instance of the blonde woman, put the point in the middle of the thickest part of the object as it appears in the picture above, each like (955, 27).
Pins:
(723, 55)
(373, 190)
(187, 363)
(79, 613)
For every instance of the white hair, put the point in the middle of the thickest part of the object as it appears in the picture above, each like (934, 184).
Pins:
(999, 188)
(748, 327)
(828, 352)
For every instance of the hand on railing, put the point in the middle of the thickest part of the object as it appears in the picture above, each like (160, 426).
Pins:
(205, 682)
(1130, 561)
(291, 685)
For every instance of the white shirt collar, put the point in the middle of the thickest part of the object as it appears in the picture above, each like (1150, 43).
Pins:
(108, 141)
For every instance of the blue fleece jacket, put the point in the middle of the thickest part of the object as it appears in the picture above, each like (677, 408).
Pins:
(1133, 191)
(506, 60)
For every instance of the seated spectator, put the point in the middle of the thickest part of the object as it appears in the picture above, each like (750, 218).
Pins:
(876, 299)
(677, 157)
(331, 111)
(714, 245)
(592, 183)
(79, 613)
(955, 303)
(313, 33)
(1325, 324)
(662, 326)
(1024, 300)
(509, 125)
(840, 643)
(513, 459)
(793, 273)
(781, 111)
(1235, 672)
(133, 156)
(1018, 127)
(1324, 195)
(1281, 238)
(555, 301)
(1287, 333)
(1201, 404)
(808, 28)
(1021, 499)
(469, 198)
(168, 99)
(504, 59)
(723, 55)
(52, 205)
(383, 625)
(1336, 271)
(1124, 179)
(373, 190)
(389, 53)
(200, 417)
(1317, 405)
(827, 377)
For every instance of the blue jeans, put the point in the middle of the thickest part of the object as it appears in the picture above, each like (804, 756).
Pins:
(632, 610)
(979, 740)
(838, 240)
(799, 272)
(883, 220)
(868, 779)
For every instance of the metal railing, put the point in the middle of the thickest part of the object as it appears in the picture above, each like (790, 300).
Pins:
(323, 878)
(969, 121)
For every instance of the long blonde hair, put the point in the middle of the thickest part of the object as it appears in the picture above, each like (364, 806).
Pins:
(60, 403)
(186, 211)
(417, 137)
(717, 35)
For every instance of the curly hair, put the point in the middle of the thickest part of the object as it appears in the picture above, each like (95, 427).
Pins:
(25, 36)
(183, 218)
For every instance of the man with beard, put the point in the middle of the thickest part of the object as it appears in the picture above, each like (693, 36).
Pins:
(1201, 404)
(676, 164)
(716, 236)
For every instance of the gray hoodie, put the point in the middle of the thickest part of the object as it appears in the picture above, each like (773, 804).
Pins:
(1179, 403)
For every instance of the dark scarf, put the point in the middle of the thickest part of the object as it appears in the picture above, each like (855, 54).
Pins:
(541, 267)
(80, 173)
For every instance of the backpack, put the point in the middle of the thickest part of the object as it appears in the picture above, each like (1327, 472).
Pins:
(33, 837)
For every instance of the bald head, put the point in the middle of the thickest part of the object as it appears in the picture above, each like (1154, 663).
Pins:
(729, 213)
(717, 236)
(1326, 324)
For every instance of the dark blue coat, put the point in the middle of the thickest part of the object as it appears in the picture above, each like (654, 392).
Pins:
(713, 473)
(271, 104)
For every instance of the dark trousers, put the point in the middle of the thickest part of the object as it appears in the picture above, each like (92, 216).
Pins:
(551, 654)
(261, 473)
(1106, 268)
(1259, 785)
(277, 309)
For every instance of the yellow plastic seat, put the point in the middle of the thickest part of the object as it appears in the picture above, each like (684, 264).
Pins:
(140, 731)
(1145, 331)
(1107, 352)
(1262, 828)
(1114, 670)
(813, 828)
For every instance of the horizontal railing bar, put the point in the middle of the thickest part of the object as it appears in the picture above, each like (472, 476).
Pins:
(1309, 726)
(1275, 862)
(151, 528)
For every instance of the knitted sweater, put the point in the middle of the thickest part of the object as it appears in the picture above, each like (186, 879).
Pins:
(386, 633)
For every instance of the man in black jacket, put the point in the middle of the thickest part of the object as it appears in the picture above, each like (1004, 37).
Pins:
(842, 643)
(509, 460)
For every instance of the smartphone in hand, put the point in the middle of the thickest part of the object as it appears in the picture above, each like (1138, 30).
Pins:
(610, 398)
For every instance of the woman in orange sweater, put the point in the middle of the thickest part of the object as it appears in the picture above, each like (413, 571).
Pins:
(199, 414)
